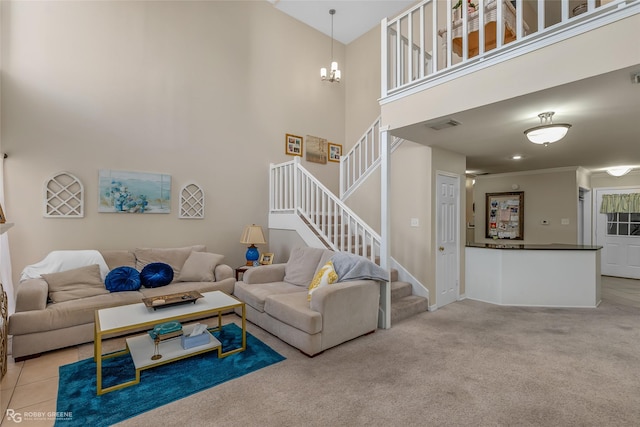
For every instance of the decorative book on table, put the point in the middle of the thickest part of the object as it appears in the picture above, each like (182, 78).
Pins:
(165, 331)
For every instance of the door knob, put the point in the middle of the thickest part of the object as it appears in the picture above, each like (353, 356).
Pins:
(441, 248)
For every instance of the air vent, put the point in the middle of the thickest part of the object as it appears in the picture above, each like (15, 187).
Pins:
(448, 123)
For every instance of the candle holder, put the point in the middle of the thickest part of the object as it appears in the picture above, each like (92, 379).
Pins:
(156, 351)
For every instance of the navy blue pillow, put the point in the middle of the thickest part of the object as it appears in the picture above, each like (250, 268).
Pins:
(156, 274)
(122, 279)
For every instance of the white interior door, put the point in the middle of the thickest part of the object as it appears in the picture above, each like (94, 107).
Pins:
(448, 239)
(619, 236)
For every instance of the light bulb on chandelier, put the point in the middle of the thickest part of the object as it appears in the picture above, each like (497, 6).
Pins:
(334, 73)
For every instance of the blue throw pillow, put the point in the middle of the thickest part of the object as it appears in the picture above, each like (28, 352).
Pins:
(156, 274)
(122, 279)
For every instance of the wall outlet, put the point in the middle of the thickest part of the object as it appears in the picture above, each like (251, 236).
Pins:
(564, 221)
(414, 222)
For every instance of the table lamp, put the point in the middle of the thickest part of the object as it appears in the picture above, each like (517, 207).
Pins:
(252, 235)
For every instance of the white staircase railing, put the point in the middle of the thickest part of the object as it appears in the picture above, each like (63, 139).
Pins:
(295, 190)
(362, 159)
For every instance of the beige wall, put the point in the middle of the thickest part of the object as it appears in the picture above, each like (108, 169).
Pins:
(548, 195)
(203, 91)
(282, 242)
(363, 88)
(411, 190)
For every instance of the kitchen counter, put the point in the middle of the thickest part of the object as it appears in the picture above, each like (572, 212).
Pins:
(549, 247)
(555, 275)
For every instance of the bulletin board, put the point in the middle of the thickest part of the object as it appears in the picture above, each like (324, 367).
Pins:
(505, 215)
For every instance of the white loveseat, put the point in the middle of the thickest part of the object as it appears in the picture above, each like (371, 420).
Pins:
(277, 300)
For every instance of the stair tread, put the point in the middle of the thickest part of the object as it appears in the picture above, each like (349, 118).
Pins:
(399, 284)
(408, 306)
(407, 301)
(400, 290)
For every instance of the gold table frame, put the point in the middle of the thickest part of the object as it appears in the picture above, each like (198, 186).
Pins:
(203, 307)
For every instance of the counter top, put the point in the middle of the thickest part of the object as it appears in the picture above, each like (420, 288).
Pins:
(549, 247)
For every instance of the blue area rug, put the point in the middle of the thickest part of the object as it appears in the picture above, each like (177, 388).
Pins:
(78, 403)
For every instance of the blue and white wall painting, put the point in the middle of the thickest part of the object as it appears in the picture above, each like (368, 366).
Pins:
(134, 192)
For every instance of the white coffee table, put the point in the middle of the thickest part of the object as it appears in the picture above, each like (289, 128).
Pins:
(134, 317)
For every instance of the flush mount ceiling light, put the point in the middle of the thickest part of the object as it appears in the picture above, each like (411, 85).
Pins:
(548, 132)
(334, 73)
(619, 170)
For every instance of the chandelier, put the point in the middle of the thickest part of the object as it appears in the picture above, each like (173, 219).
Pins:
(548, 132)
(334, 73)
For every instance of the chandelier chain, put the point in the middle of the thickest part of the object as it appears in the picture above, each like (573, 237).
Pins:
(332, 12)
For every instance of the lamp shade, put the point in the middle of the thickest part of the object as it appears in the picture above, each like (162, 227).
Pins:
(548, 132)
(252, 235)
(619, 171)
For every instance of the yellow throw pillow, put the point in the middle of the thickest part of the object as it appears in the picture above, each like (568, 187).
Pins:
(324, 277)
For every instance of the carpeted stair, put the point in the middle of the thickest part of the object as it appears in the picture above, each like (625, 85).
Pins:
(403, 303)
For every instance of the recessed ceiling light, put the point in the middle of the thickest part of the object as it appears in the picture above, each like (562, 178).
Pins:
(516, 157)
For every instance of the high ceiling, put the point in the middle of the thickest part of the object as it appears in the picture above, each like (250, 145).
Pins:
(352, 19)
(604, 111)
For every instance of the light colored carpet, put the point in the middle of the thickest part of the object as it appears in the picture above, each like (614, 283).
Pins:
(467, 364)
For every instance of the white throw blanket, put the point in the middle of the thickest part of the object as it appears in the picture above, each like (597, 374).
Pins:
(58, 261)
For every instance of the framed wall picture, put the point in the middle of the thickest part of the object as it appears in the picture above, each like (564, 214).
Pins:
(2, 218)
(335, 151)
(293, 145)
(505, 215)
(316, 149)
(134, 192)
(266, 258)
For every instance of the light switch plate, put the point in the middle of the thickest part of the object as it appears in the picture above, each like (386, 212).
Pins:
(415, 222)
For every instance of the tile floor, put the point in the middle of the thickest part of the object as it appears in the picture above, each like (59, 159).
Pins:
(31, 386)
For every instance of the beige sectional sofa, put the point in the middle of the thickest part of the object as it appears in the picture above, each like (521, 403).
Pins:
(277, 300)
(39, 324)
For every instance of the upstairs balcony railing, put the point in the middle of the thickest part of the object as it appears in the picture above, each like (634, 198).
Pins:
(436, 37)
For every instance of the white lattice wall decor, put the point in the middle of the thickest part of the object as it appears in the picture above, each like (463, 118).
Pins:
(191, 202)
(63, 196)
